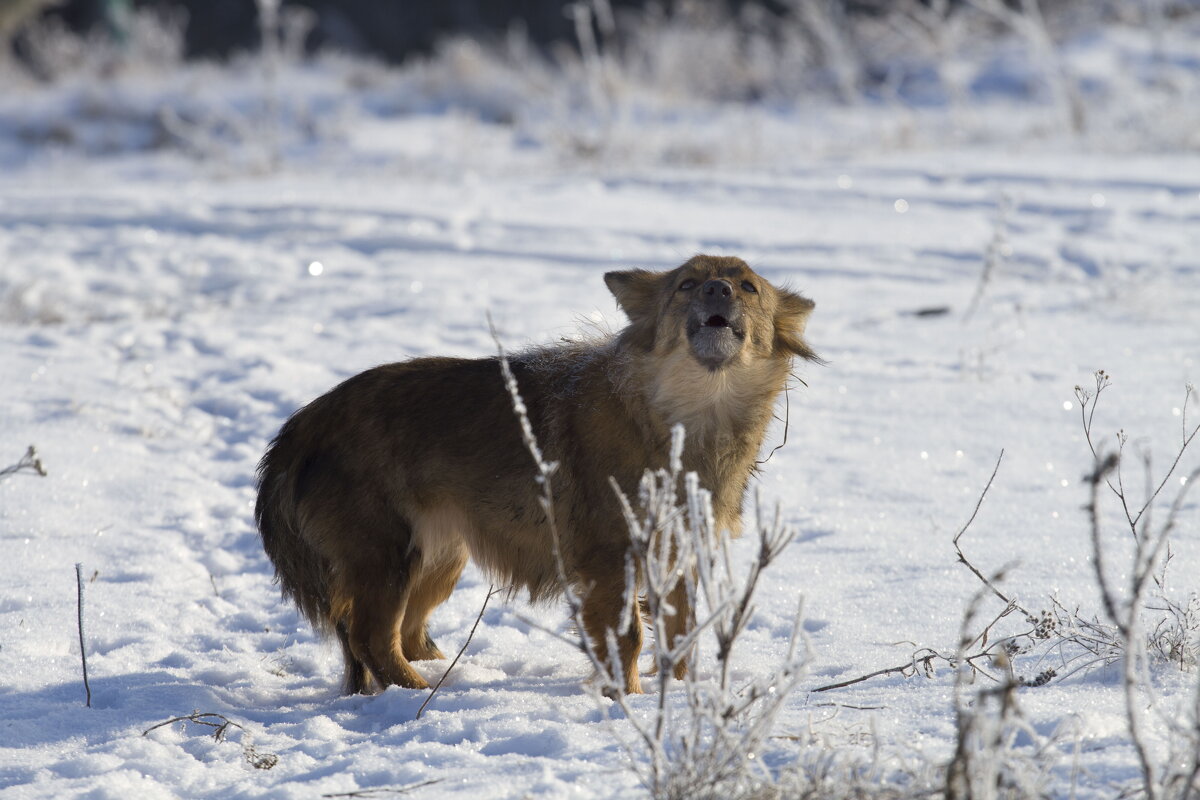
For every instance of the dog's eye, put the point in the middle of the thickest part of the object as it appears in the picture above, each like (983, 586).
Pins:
(747, 286)
(688, 284)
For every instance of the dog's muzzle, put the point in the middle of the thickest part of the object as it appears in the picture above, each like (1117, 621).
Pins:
(714, 328)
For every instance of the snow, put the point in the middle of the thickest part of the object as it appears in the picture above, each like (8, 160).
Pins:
(161, 315)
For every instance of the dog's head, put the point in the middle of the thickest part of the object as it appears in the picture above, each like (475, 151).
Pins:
(721, 309)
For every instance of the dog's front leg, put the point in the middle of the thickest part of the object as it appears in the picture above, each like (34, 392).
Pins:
(603, 608)
(678, 623)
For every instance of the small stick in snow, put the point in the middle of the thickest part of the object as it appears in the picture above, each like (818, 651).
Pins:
(904, 669)
(253, 757)
(79, 615)
(30, 462)
(492, 590)
(206, 718)
(383, 790)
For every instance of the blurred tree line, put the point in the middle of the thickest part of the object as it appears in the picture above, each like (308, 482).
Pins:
(387, 29)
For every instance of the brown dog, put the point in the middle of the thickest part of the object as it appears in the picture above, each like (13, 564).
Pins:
(373, 496)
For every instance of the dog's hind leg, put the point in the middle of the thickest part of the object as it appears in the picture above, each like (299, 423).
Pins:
(380, 597)
(369, 592)
(430, 588)
(357, 678)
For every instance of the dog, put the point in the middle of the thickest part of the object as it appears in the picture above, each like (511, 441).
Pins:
(372, 498)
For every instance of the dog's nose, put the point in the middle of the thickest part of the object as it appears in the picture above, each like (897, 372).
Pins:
(718, 288)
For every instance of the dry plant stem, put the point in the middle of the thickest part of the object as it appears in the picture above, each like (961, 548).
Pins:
(1087, 410)
(1149, 545)
(220, 729)
(1186, 440)
(928, 656)
(980, 767)
(1192, 773)
(79, 617)
(959, 770)
(206, 718)
(492, 590)
(675, 551)
(609, 685)
(381, 791)
(1126, 623)
(993, 255)
(924, 658)
(30, 462)
(904, 669)
(963, 559)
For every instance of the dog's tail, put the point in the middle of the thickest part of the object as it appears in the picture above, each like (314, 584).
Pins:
(302, 573)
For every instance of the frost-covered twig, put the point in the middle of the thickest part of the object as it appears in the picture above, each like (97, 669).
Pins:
(683, 566)
(987, 722)
(924, 661)
(608, 680)
(714, 739)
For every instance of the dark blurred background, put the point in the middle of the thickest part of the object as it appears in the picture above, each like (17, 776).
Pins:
(387, 29)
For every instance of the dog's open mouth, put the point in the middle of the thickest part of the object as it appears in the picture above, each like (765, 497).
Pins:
(715, 339)
(719, 324)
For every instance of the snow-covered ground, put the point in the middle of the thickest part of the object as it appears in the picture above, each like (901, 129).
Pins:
(160, 316)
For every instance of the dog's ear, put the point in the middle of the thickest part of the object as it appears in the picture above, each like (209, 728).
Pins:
(637, 292)
(791, 316)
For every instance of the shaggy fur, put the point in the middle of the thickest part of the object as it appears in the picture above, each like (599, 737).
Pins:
(373, 497)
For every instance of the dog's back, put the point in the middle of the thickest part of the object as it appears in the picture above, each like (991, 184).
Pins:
(372, 496)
